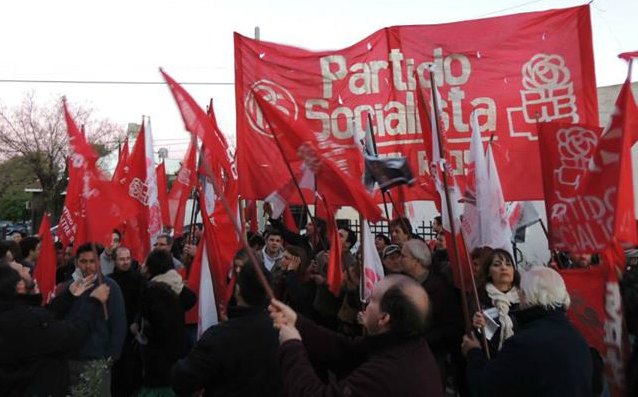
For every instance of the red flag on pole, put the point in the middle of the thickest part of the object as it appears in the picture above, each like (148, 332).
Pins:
(102, 208)
(68, 224)
(335, 272)
(298, 144)
(162, 193)
(45, 266)
(182, 188)
(122, 163)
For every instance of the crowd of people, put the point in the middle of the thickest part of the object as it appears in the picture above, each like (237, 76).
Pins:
(118, 327)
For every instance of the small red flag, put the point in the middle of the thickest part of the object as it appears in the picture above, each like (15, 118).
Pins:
(181, 189)
(45, 266)
(335, 273)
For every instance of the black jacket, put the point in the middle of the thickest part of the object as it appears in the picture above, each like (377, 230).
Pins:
(34, 346)
(162, 312)
(446, 319)
(547, 357)
(235, 358)
(380, 365)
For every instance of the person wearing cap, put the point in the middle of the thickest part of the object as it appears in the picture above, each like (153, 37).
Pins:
(392, 259)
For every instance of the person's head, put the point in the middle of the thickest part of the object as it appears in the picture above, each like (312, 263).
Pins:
(397, 304)
(158, 261)
(381, 241)
(240, 259)
(248, 289)
(291, 252)
(9, 282)
(164, 242)
(400, 230)
(348, 238)
(15, 251)
(441, 244)
(392, 259)
(580, 260)
(415, 258)
(30, 247)
(16, 236)
(68, 253)
(86, 259)
(437, 224)
(316, 228)
(544, 287)
(122, 259)
(256, 242)
(274, 242)
(479, 256)
(499, 270)
(116, 237)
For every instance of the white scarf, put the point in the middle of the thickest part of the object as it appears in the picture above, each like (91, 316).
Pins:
(502, 302)
(172, 279)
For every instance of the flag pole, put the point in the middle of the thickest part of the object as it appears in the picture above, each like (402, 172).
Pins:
(475, 294)
(242, 237)
(376, 153)
(455, 248)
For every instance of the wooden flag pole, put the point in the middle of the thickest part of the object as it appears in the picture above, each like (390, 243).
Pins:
(455, 248)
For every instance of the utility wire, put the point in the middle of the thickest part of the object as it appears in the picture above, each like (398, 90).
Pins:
(111, 82)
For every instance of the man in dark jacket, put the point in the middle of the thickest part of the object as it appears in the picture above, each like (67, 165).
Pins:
(393, 360)
(237, 357)
(546, 357)
(34, 344)
(109, 330)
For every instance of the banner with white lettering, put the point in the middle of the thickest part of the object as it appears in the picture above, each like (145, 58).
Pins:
(539, 68)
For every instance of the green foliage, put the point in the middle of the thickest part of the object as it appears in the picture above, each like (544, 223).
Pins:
(15, 176)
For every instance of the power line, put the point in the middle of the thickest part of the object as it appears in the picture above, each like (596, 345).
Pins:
(111, 82)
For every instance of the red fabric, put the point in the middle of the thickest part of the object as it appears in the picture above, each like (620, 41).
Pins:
(194, 279)
(596, 311)
(204, 126)
(101, 207)
(122, 163)
(135, 235)
(335, 274)
(181, 190)
(162, 193)
(509, 78)
(219, 232)
(588, 181)
(68, 224)
(459, 264)
(297, 143)
(45, 266)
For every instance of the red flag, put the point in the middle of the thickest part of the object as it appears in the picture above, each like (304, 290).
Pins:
(588, 181)
(334, 91)
(121, 169)
(45, 265)
(142, 193)
(162, 193)
(335, 272)
(182, 188)
(204, 127)
(68, 224)
(297, 143)
(596, 311)
(102, 208)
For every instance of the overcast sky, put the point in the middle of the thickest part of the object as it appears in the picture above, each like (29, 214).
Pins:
(127, 40)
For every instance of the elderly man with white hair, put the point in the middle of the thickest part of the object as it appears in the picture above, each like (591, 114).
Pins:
(546, 357)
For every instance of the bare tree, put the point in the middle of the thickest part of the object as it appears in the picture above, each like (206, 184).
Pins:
(37, 134)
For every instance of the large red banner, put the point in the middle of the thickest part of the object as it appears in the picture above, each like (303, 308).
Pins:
(513, 71)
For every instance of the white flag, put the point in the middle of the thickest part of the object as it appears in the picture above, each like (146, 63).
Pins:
(372, 267)
(476, 192)
(154, 212)
(499, 234)
(207, 310)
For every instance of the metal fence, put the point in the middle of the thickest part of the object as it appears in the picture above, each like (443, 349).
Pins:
(423, 230)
